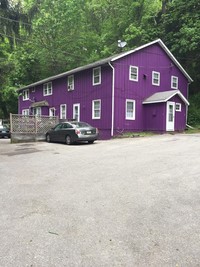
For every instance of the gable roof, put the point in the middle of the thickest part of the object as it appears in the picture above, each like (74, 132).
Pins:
(164, 97)
(111, 59)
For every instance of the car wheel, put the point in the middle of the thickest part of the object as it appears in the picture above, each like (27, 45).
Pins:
(48, 138)
(91, 142)
(68, 140)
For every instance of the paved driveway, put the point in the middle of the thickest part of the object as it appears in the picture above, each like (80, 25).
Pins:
(130, 202)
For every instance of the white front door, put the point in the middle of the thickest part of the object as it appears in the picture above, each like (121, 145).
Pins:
(76, 112)
(170, 115)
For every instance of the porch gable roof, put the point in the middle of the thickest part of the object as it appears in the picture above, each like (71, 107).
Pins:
(164, 97)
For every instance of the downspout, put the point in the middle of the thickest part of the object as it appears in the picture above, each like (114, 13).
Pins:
(188, 101)
(113, 99)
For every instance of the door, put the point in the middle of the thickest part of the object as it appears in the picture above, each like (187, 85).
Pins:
(76, 112)
(170, 116)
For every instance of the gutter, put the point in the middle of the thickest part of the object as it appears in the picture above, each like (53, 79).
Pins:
(113, 99)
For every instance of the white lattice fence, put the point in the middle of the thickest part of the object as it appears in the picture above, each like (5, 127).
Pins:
(31, 124)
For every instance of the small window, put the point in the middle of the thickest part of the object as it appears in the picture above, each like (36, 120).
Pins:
(178, 107)
(25, 94)
(97, 76)
(174, 82)
(155, 78)
(25, 112)
(96, 109)
(70, 83)
(52, 112)
(63, 111)
(130, 109)
(133, 73)
(47, 89)
(33, 90)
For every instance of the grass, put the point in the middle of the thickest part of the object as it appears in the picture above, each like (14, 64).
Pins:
(135, 134)
(195, 129)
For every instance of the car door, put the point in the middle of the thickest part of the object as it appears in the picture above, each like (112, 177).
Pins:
(67, 129)
(56, 133)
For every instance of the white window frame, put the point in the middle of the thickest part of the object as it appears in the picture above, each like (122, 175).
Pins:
(63, 112)
(25, 112)
(156, 80)
(133, 73)
(178, 107)
(94, 110)
(96, 76)
(126, 110)
(70, 83)
(74, 112)
(25, 94)
(52, 112)
(37, 111)
(174, 82)
(47, 89)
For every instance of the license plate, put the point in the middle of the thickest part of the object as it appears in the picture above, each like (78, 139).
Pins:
(3, 131)
(88, 132)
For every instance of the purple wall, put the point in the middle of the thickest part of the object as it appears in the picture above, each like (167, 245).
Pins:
(150, 59)
(147, 117)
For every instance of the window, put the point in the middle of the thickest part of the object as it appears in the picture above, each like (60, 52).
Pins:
(70, 83)
(174, 82)
(130, 109)
(133, 73)
(37, 111)
(63, 111)
(25, 112)
(25, 94)
(97, 76)
(47, 89)
(96, 109)
(178, 107)
(52, 112)
(76, 112)
(155, 78)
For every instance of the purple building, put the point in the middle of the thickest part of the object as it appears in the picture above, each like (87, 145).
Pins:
(145, 89)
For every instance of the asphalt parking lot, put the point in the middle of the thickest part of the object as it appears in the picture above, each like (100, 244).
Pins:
(124, 202)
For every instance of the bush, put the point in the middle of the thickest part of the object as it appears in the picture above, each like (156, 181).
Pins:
(194, 110)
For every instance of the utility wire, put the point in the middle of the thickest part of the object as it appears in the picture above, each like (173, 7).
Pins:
(15, 21)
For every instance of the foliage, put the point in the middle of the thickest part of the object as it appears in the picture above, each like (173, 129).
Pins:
(42, 38)
(194, 110)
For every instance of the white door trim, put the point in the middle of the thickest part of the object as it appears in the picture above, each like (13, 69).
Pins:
(76, 116)
(170, 116)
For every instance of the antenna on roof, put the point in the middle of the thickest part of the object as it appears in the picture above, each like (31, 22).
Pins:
(121, 44)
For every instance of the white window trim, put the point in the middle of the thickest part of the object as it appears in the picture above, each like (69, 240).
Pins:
(76, 105)
(48, 89)
(70, 85)
(132, 101)
(25, 94)
(153, 73)
(93, 77)
(38, 113)
(137, 73)
(25, 112)
(93, 113)
(65, 113)
(179, 104)
(52, 110)
(174, 77)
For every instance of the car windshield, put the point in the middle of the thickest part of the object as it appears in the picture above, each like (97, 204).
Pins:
(80, 124)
